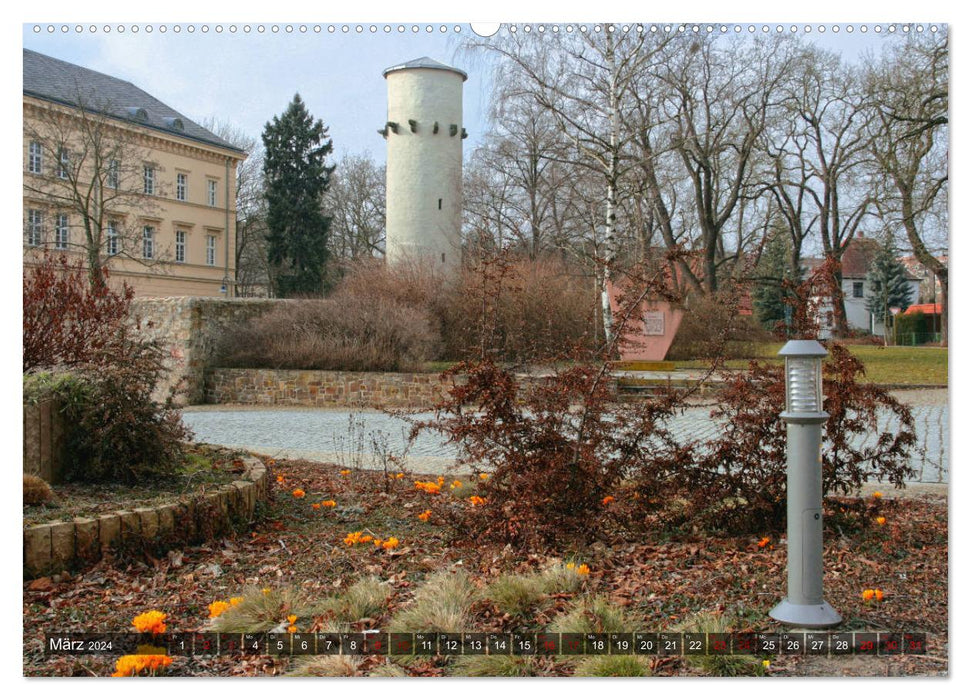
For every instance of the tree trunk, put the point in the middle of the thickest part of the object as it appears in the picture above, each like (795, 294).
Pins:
(611, 215)
(841, 325)
(942, 276)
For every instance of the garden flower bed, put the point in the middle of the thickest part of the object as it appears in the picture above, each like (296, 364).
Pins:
(215, 494)
(207, 467)
(353, 550)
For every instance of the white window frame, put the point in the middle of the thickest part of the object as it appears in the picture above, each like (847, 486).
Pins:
(35, 158)
(63, 164)
(211, 186)
(62, 233)
(180, 239)
(148, 179)
(148, 242)
(113, 174)
(111, 238)
(211, 250)
(181, 187)
(35, 227)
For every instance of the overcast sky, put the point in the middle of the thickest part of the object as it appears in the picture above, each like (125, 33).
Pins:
(247, 78)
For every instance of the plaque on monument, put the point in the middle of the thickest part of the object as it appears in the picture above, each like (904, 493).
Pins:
(653, 323)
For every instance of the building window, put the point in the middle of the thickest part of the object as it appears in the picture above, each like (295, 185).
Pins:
(112, 238)
(181, 186)
(63, 163)
(857, 290)
(61, 232)
(180, 246)
(35, 227)
(148, 242)
(149, 176)
(211, 193)
(112, 179)
(439, 204)
(210, 250)
(35, 158)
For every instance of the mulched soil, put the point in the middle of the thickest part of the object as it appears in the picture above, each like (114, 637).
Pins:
(661, 579)
(207, 466)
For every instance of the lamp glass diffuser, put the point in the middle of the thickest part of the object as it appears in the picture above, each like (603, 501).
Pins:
(804, 384)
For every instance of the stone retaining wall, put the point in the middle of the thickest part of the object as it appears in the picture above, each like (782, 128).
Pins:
(188, 328)
(58, 546)
(325, 389)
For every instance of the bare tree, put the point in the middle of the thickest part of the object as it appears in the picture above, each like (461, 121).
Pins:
(787, 176)
(910, 90)
(356, 203)
(252, 264)
(583, 81)
(717, 97)
(832, 112)
(84, 163)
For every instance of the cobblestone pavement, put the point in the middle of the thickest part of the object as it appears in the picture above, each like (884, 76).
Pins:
(361, 439)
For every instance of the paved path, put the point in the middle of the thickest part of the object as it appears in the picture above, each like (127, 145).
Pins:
(360, 439)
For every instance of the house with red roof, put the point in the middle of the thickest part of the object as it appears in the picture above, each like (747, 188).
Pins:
(856, 261)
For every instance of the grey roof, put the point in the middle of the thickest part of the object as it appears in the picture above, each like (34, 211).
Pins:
(425, 62)
(51, 79)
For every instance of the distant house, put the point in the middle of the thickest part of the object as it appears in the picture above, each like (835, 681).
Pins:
(930, 286)
(856, 262)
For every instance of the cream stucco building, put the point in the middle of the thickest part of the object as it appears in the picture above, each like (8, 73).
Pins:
(107, 166)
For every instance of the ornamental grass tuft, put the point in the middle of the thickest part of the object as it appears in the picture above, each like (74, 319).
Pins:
(499, 666)
(260, 611)
(722, 665)
(614, 666)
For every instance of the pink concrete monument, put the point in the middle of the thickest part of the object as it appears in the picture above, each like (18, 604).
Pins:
(650, 331)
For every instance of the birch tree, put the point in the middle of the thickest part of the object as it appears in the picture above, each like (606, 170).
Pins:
(584, 81)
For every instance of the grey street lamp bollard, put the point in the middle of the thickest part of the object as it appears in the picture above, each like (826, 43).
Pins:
(803, 605)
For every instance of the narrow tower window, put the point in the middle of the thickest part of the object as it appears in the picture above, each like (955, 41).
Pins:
(439, 204)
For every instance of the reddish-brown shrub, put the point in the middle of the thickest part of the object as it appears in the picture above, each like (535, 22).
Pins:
(406, 284)
(116, 431)
(386, 319)
(519, 310)
(712, 328)
(737, 482)
(344, 332)
(557, 449)
(67, 322)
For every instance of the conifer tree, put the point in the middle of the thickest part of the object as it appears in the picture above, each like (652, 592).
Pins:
(774, 268)
(888, 285)
(296, 147)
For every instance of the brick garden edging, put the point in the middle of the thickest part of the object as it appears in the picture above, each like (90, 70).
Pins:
(58, 546)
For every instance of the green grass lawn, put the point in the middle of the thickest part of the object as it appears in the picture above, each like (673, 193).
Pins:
(896, 365)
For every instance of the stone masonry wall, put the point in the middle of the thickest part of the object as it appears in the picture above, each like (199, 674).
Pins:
(325, 389)
(189, 327)
(380, 390)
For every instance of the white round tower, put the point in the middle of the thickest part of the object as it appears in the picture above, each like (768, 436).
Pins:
(424, 171)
